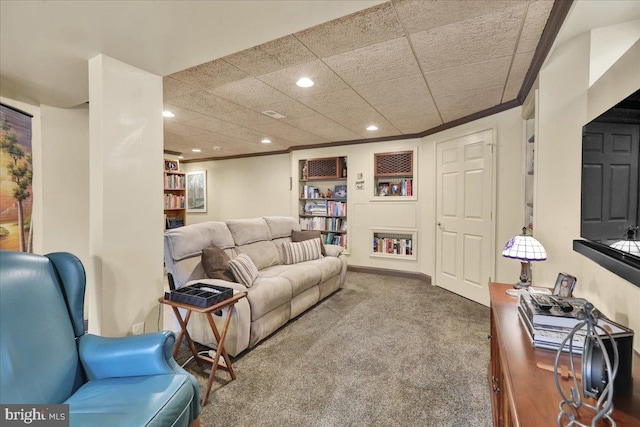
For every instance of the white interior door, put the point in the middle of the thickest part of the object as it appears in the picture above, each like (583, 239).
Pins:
(464, 230)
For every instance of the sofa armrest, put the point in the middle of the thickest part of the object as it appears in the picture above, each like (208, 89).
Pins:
(138, 355)
(333, 250)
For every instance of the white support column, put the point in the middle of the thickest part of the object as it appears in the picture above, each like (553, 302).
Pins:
(126, 208)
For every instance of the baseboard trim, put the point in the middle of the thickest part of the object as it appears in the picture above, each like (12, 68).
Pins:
(389, 272)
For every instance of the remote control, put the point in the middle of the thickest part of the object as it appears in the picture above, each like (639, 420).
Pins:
(562, 304)
(542, 301)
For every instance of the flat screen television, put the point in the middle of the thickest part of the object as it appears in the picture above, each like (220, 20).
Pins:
(610, 199)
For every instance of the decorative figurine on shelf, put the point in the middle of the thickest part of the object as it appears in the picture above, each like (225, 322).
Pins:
(304, 172)
(329, 193)
(322, 195)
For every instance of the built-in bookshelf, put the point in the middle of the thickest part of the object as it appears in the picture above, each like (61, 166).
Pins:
(174, 194)
(394, 175)
(393, 243)
(323, 198)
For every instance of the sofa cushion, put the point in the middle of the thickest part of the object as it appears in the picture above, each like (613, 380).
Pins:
(301, 236)
(215, 262)
(95, 403)
(244, 270)
(185, 242)
(302, 277)
(329, 267)
(246, 231)
(268, 293)
(263, 254)
(301, 251)
(281, 226)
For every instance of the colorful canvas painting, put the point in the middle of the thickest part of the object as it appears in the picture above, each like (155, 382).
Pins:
(16, 175)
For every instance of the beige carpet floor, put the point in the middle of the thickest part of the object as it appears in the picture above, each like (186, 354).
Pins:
(382, 351)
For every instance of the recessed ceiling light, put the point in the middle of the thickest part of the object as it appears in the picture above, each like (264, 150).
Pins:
(305, 82)
(216, 148)
(181, 157)
(196, 150)
(266, 141)
(372, 127)
(167, 114)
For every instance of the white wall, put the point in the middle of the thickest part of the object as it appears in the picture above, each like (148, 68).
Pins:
(65, 181)
(244, 188)
(126, 203)
(565, 105)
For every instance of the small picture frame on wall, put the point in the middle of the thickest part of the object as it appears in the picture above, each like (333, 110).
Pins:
(171, 165)
(565, 284)
(197, 191)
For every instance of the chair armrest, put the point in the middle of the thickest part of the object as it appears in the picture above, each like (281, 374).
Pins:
(138, 355)
(333, 250)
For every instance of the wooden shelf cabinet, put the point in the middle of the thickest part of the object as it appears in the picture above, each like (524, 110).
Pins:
(394, 243)
(174, 195)
(323, 198)
(523, 395)
(394, 174)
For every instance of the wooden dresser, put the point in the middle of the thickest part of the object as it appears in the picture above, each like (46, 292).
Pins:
(524, 395)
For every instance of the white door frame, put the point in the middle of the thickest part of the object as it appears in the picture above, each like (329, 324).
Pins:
(494, 187)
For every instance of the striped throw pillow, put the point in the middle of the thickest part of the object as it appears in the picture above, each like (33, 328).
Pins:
(244, 270)
(295, 252)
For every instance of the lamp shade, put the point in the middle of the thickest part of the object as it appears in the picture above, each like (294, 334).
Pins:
(524, 248)
(628, 245)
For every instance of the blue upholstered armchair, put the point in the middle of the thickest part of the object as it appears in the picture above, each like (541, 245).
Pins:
(46, 358)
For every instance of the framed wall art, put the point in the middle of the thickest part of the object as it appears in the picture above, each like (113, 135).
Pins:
(197, 191)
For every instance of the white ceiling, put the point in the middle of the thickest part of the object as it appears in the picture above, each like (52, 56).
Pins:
(405, 65)
(45, 45)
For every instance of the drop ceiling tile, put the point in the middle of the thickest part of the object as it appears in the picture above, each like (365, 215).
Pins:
(221, 127)
(172, 88)
(402, 114)
(469, 77)
(182, 129)
(245, 117)
(417, 124)
(209, 123)
(535, 20)
(358, 121)
(295, 135)
(249, 92)
(423, 15)
(285, 80)
(210, 74)
(323, 127)
(375, 63)
(337, 105)
(419, 108)
(181, 114)
(519, 68)
(363, 28)
(291, 109)
(474, 40)
(511, 92)
(271, 56)
(394, 91)
(206, 103)
(454, 105)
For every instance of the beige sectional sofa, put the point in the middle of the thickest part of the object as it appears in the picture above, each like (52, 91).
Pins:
(280, 292)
